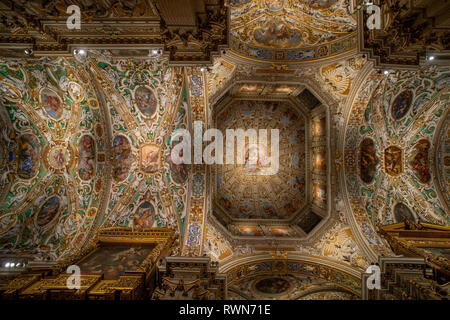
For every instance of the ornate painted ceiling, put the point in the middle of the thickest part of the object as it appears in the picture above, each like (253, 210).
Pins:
(85, 143)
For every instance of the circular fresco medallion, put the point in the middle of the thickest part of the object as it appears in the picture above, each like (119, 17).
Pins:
(58, 157)
(272, 285)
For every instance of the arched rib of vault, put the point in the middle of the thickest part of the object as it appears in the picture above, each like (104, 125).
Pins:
(341, 275)
(340, 145)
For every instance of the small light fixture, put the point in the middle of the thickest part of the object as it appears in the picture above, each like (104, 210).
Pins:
(430, 58)
(154, 52)
(202, 69)
(7, 265)
(386, 72)
(28, 52)
(80, 52)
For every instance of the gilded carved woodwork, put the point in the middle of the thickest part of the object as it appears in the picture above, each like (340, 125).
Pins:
(130, 284)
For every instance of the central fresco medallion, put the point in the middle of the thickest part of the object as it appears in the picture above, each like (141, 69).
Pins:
(250, 190)
(393, 160)
(150, 158)
(58, 157)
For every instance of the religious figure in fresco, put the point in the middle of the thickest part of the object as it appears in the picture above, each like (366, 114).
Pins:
(144, 216)
(146, 101)
(122, 157)
(28, 156)
(245, 210)
(150, 158)
(367, 160)
(86, 157)
(420, 161)
(255, 158)
(402, 213)
(48, 211)
(401, 104)
(277, 34)
(58, 158)
(178, 172)
(393, 160)
(272, 285)
(51, 104)
(269, 210)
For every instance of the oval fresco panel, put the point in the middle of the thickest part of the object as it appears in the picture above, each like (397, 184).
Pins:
(146, 101)
(367, 160)
(122, 158)
(401, 104)
(51, 104)
(272, 285)
(48, 211)
(145, 215)
(28, 156)
(420, 162)
(402, 213)
(86, 157)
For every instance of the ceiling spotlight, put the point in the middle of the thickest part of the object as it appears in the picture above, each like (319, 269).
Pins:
(28, 52)
(202, 69)
(80, 52)
(18, 264)
(386, 72)
(430, 58)
(154, 51)
(7, 265)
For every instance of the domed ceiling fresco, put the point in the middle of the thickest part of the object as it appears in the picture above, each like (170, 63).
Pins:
(286, 30)
(250, 191)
